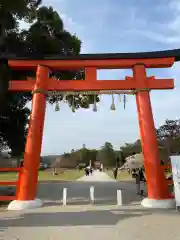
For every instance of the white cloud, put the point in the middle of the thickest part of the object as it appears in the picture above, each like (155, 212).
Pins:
(70, 24)
(161, 32)
(174, 24)
(174, 5)
(155, 36)
(76, 28)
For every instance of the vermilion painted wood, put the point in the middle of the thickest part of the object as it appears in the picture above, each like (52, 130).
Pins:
(82, 85)
(10, 169)
(27, 182)
(6, 183)
(7, 198)
(28, 177)
(99, 64)
(156, 183)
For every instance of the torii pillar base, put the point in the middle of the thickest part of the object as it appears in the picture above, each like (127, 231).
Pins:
(158, 204)
(23, 205)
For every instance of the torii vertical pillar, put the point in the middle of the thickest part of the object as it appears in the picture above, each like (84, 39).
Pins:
(158, 195)
(26, 195)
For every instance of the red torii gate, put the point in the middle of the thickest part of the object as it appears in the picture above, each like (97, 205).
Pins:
(140, 84)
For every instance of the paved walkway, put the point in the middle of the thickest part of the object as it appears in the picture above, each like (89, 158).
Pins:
(79, 223)
(97, 176)
(51, 222)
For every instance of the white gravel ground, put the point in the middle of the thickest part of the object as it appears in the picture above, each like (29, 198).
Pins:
(97, 177)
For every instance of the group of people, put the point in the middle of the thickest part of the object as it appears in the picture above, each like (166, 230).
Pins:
(88, 170)
(139, 175)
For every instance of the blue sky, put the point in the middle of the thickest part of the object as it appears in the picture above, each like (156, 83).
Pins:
(115, 26)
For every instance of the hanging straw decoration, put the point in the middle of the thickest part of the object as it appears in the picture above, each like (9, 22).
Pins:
(119, 97)
(64, 98)
(124, 98)
(113, 107)
(94, 105)
(57, 107)
(73, 104)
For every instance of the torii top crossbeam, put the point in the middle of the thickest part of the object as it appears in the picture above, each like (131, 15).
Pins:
(91, 63)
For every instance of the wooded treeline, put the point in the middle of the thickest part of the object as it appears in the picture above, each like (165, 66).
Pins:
(168, 136)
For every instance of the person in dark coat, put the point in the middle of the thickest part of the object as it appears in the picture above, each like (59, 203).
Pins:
(115, 171)
(139, 178)
(138, 183)
(142, 177)
(21, 163)
(86, 171)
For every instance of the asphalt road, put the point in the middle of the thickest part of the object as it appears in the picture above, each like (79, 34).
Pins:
(78, 193)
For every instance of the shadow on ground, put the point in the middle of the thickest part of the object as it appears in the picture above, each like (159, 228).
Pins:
(83, 218)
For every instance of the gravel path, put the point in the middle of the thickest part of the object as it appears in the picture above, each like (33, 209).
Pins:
(97, 177)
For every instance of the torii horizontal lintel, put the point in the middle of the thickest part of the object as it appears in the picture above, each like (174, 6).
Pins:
(91, 65)
(83, 85)
(98, 64)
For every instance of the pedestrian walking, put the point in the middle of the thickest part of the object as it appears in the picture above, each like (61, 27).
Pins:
(115, 171)
(86, 171)
(91, 171)
(139, 178)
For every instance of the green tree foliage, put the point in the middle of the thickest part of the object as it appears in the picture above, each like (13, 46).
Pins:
(169, 135)
(122, 159)
(107, 155)
(10, 12)
(130, 148)
(170, 131)
(84, 155)
(46, 35)
(13, 115)
(93, 155)
(14, 128)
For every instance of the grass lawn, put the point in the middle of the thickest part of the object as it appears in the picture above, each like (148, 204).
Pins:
(68, 175)
(8, 176)
(122, 176)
